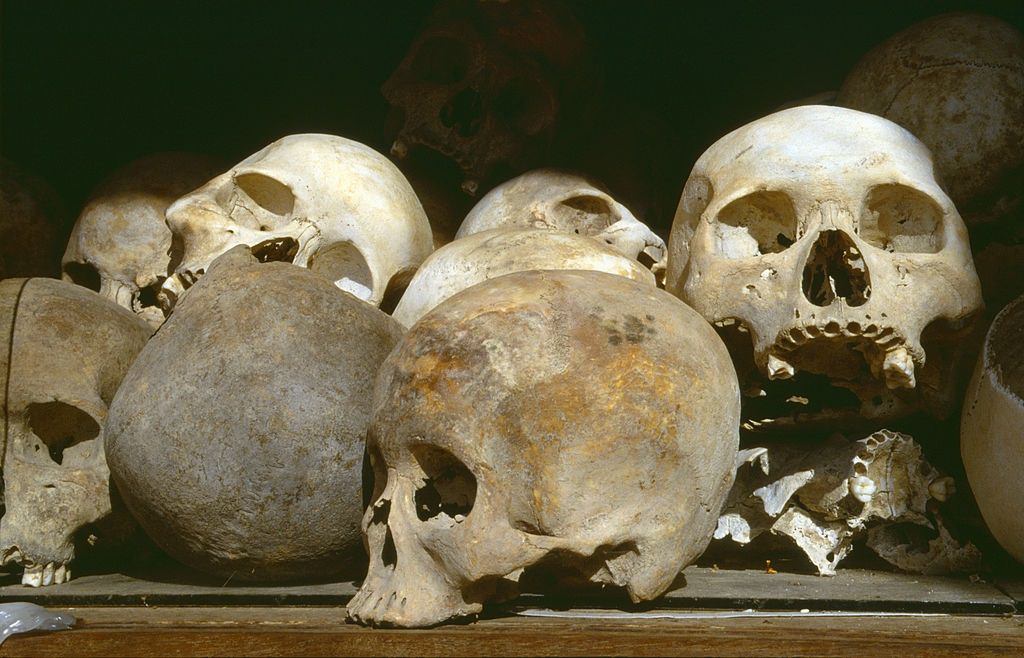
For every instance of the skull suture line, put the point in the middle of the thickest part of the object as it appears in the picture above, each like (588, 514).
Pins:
(572, 420)
(323, 202)
(823, 233)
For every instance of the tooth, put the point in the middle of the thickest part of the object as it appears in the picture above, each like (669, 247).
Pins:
(779, 369)
(48, 574)
(33, 577)
(862, 488)
(60, 575)
(399, 149)
(942, 488)
(898, 368)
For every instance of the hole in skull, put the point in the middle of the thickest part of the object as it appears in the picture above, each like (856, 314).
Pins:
(901, 219)
(448, 485)
(83, 274)
(269, 194)
(388, 554)
(60, 426)
(148, 295)
(464, 113)
(763, 222)
(525, 105)
(344, 264)
(441, 60)
(277, 250)
(587, 214)
(835, 269)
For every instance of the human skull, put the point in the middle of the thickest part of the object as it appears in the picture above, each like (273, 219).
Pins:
(30, 219)
(956, 81)
(486, 83)
(236, 438)
(991, 441)
(495, 252)
(572, 421)
(323, 202)
(822, 234)
(121, 246)
(560, 201)
(66, 351)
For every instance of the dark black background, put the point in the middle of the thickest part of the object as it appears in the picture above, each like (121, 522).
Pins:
(88, 86)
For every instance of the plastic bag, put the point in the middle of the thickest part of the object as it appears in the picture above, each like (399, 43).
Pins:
(27, 617)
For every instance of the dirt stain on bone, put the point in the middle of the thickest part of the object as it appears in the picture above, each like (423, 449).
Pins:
(632, 330)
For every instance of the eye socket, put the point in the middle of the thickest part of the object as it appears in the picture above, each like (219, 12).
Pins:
(762, 222)
(525, 105)
(441, 60)
(269, 194)
(448, 488)
(900, 219)
(585, 214)
(60, 426)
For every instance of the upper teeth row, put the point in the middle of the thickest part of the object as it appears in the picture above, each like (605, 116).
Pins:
(883, 337)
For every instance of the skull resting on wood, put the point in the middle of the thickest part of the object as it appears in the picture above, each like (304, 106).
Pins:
(236, 438)
(818, 238)
(487, 83)
(574, 421)
(65, 352)
(121, 246)
(490, 254)
(560, 201)
(323, 202)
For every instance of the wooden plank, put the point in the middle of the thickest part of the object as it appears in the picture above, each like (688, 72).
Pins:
(321, 631)
(851, 589)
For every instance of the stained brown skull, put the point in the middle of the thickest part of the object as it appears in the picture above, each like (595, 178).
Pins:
(67, 352)
(822, 234)
(572, 420)
(485, 83)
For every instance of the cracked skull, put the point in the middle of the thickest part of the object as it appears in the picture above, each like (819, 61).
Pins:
(121, 246)
(570, 422)
(485, 82)
(322, 202)
(67, 352)
(818, 238)
(561, 201)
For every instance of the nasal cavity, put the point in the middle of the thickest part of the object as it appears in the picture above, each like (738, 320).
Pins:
(835, 269)
(464, 112)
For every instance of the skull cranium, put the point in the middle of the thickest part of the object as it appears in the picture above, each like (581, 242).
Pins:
(822, 233)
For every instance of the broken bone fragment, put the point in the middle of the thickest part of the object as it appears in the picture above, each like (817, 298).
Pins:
(824, 498)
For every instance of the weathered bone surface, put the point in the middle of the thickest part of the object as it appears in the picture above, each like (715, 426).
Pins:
(65, 352)
(818, 240)
(323, 202)
(822, 499)
(573, 421)
(486, 84)
(992, 429)
(955, 81)
(121, 245)
(492, 253)
(236, 439)
(29, 224)
(561, 201)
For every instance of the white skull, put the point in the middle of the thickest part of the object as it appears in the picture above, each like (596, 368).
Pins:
(560, 201)
(68, 350)
(490, 254)
(569, 421)
(991, 441)
(323, 202)
(823, 233)
(120, 246)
